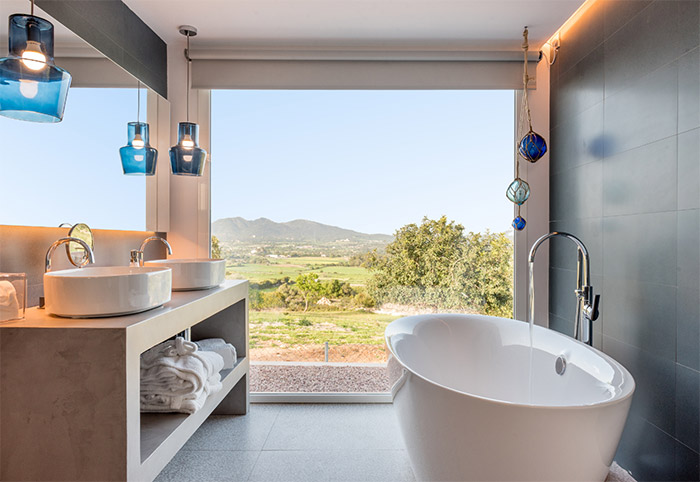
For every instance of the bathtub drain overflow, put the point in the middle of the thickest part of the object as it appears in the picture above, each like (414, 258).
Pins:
(560, 365)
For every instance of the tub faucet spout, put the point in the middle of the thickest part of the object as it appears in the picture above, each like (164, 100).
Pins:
(587, 310)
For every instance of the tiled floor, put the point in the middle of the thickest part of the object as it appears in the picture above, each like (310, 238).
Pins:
(301, 443)
(304, 442)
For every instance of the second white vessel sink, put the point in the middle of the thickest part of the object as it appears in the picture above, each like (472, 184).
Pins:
(193, 274)
(94, 292)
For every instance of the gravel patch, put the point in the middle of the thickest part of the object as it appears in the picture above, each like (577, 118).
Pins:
(318, 379)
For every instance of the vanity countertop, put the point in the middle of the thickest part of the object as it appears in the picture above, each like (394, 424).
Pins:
(199, 304)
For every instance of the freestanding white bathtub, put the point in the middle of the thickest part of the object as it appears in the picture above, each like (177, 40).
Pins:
(469, 410)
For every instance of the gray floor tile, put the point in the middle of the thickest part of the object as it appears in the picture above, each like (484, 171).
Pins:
(319, 427)
(235, 432)
(209, 466)
(333, 465)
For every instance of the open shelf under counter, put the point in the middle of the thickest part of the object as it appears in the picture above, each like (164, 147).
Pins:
(163, 434)
(80, 417)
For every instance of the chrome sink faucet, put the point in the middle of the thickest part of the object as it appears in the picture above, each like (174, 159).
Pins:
(69, 239)
(587, 310)
(137, 254)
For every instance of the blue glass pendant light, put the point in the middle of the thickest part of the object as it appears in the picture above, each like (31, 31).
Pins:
(32, 87)
(186, 157)
(138, 157)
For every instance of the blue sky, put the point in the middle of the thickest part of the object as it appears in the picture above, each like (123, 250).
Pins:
(365, 160)
(371, 161)
(71, 171)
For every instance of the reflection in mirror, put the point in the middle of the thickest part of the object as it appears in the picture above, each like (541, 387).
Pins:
(76, 253)
(72, 169)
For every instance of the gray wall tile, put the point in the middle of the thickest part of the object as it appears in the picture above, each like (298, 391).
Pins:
(641, 180)
(644, 231)
(688, 297)
(642, 45)
(645, 111)
(688, 92)
(689, 169)
(641, 247)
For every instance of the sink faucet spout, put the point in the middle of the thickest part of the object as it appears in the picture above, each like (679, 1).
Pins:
(68, 239)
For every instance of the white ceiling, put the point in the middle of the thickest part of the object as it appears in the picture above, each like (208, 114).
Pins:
(475, 25)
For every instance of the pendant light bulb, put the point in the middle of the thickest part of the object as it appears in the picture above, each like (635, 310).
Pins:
(32, 57)
(138, 142)
(187, 142)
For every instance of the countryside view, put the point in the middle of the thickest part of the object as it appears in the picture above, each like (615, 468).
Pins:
(323, 293)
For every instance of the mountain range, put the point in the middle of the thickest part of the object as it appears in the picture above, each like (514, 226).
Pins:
(300, 230)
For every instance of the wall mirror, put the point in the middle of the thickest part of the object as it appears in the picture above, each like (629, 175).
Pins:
(71, 170)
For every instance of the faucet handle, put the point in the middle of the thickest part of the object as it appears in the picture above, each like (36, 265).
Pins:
(595, 311)
(136, 258)
(592, 310)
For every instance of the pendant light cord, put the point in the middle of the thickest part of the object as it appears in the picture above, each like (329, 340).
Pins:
(32, 12)
(189, 61)
(138, 101)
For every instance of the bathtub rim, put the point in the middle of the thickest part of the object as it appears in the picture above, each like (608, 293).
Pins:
(626, 393)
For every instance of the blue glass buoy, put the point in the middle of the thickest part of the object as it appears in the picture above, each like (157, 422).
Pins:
(519, 223)
(138, 157)
(532, 147)
(32, 87)
(518, 191)
(186, 157)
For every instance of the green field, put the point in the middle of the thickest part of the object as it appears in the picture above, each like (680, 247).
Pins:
(271, 328)
(326, 267)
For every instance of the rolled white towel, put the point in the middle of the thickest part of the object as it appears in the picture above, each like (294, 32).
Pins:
(9, 306)
(171, 348)
(218, 345)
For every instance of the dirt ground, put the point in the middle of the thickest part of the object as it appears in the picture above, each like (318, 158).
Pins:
(315, 353)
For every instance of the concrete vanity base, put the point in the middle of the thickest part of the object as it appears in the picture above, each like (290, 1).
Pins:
(69, 389)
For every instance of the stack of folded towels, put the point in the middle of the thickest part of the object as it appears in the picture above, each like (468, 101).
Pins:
(218, 345)
(178, 376)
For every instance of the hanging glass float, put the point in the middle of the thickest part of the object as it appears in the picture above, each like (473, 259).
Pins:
(518, 192)
(519, 223)
(532, 147)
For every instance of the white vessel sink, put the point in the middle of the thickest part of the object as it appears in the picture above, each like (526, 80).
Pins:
(193, 274)
(106, 291)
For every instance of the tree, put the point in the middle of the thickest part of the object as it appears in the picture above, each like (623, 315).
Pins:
(215, 248)
(436, 264)
(308, 285)
(421, 255)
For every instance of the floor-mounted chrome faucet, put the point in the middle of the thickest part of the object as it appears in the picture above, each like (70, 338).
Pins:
(587, 309)
(137, 254)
